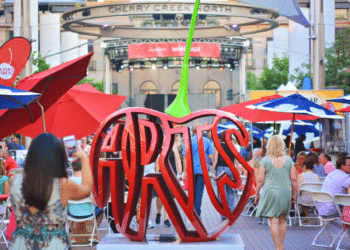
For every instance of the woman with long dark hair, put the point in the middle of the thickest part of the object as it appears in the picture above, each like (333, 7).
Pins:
(40, 196)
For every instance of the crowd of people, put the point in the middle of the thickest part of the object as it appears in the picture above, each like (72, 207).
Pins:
(277, 177)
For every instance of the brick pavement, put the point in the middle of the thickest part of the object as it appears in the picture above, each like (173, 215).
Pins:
(255, 236)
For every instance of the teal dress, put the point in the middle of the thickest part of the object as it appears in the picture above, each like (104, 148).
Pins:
(276, 195)
(3, 179)
(43, 230)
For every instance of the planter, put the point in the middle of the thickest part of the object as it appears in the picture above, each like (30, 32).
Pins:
(146, 25)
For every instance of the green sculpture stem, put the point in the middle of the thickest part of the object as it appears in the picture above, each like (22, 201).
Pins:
(179, 107)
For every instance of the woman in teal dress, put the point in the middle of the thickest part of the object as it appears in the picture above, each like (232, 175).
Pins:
(279, 178)
(39, 197)
(4, 180)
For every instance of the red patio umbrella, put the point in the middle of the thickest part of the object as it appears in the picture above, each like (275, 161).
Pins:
(347, 109)
(254, 115)
(79, 112)
(51, 84)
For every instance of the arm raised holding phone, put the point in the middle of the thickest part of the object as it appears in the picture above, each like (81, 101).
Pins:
(73, 191)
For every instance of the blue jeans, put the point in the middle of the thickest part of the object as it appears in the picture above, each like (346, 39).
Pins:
(198, 192)
(228, 190)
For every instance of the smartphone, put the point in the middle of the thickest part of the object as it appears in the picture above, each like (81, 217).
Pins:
(70, 145)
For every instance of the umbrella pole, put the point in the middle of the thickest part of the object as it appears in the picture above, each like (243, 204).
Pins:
(291, 135)
(251, 137)
(42, 114)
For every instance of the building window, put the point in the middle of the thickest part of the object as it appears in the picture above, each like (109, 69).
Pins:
(115, 88)
(148, 88)
(212, 87)
(90, 46)
(175, 88)
(250, 58)
(341, 14)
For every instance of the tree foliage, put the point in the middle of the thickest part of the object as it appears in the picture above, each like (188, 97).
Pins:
(40, 63)
(270, 78)
(99, 85)
(337, 64)
(300, 74)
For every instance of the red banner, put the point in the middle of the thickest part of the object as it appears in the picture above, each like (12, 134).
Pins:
(14, 55)
(173, 50)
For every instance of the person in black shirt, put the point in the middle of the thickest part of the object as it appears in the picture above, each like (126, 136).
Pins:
(299, 145)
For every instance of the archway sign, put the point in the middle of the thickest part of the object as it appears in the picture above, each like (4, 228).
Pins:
(141, 141)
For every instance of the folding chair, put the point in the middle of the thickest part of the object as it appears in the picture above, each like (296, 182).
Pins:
(5, 219)
(90, 218)
(343, 199)
(322, 197)
(250, 207)
(307, 187)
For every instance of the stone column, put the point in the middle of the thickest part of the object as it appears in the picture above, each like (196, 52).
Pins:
(243, 77)
(17, 17)
(298, 44)
(50, 38)
(329, 21)
(69, 40)
(318, 44)
(107, 74)
(281, 41)
(83, 49)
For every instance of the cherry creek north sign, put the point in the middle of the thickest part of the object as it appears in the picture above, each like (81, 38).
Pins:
(84, 17)
(174, 8)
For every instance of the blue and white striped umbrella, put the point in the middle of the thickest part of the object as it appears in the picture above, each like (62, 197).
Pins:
(11, 98)
(258, 133)
(296, 104)
(301, 128)
(343, 99)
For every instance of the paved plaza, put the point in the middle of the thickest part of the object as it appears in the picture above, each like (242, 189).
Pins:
(255, 236)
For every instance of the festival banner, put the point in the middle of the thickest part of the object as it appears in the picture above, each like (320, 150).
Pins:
(148, 50)
(14, 55)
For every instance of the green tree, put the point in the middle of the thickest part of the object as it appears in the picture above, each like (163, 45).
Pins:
(40, 63)
(270, 78)
(99, 85)
(337, 64)
(253, 81)
(300, 73)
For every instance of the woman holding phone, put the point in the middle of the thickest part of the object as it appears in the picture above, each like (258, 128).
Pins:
(40, 196)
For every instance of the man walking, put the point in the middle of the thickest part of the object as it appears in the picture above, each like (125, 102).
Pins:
(197, 167)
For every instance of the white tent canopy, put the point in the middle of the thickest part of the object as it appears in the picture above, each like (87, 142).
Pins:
(288, 87)
(287, 8)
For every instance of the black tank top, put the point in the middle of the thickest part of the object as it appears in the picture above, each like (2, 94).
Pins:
(172, 161)
(221, 161)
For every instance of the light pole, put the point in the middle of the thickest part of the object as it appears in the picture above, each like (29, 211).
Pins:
(318, 38)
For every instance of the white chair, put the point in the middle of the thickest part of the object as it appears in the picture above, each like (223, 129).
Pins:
(90, 218)
(110, 218)
(16, 171)
(322, 197)
(4, 219)
(343, 199)
(250, 207)
(307, 187)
